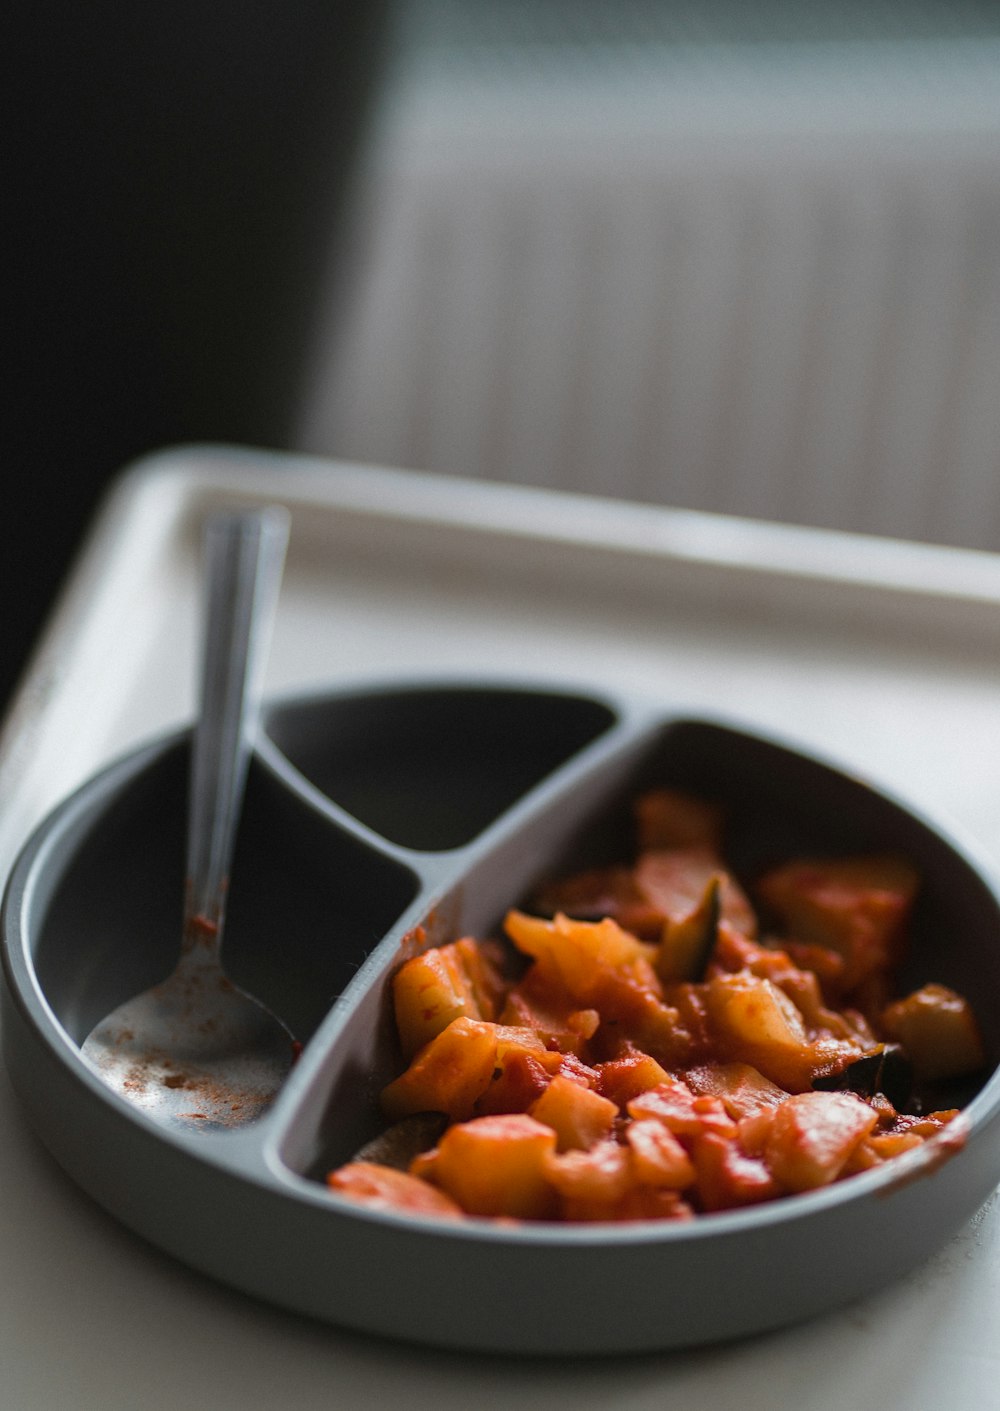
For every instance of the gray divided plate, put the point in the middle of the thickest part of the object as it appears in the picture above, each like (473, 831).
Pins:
(451, 801)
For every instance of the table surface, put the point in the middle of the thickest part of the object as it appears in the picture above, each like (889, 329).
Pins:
(879, 655)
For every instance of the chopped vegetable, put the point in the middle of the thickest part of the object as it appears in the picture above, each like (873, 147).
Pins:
(385, 1188)
(937, 1029)
(655, 1055)
(807, 1140)
(579, 1116)
(442, 984)
(687, 945)
(448, 1074)
(857, 907)
(495, 1166)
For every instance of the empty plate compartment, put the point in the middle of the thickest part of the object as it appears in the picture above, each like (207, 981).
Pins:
(307, 901)
(429, 768)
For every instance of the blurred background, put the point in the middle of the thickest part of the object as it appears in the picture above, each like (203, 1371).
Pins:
(713, 255)
(178, 184)
(732, 257)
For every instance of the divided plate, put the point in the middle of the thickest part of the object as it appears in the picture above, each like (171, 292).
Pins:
(369, 813)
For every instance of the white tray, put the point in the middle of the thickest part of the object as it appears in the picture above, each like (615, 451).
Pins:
(879, 654)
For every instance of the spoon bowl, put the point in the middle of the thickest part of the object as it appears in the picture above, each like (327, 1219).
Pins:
(196, 1049)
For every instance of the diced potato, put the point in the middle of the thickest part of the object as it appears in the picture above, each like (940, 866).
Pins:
(578, 955)
(633, 1014)
(741, 1089)
(658, 1158)
(675, 1031)
(879, 1147)
(448, 1074)
(579, 1116)
(856, 906)
(802, 985)
(600, 966)
(517, 1081)
(812, 1136)
(727, 1176)
(512, 1038)
(555, 1017)
(496, 1166)
(573, 1067)
(524, 1068)
(939, 1032)
(385, 1188)
(604, 1173)
(683, 1112)
(803, 988)
(757, 1023)
(634, 1072)
(444, 983)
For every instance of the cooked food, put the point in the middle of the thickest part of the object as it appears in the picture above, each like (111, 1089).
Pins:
(655, 1044)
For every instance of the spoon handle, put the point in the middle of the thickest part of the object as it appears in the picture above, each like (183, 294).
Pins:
(243, 557)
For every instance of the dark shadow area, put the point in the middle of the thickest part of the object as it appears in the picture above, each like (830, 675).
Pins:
(430, 769)
(177, 184)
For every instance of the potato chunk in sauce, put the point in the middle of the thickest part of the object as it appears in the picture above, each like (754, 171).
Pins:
(662, 1040)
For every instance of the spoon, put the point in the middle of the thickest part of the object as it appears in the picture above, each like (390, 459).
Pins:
(195, 1049)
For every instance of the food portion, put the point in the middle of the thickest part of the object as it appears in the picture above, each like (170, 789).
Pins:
(651, 1041)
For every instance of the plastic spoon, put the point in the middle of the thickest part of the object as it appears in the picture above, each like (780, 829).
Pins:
(196, 1049)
